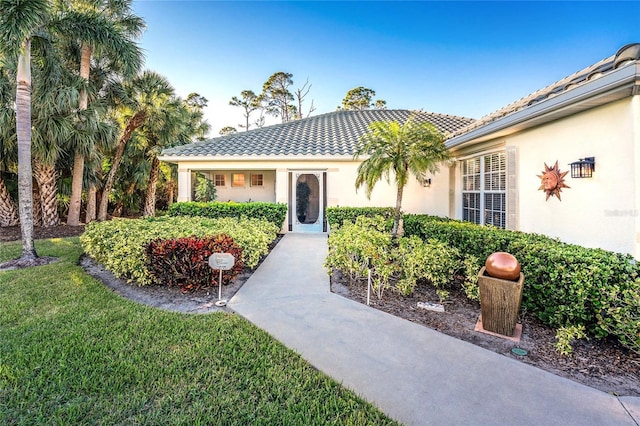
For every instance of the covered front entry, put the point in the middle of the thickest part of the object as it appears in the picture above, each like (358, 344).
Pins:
(307, 201)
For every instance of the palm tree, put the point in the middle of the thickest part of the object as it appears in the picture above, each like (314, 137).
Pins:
(133, 178)
(18, 23)
(173, 122)
(142, 95)
(8, 210)
(55, 100)
(54, 97)
(107, 28)
(404, 150)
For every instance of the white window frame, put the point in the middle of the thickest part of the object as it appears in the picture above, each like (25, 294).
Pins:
(233, 181)
(257, 175)
(482, 187)
(224, 179)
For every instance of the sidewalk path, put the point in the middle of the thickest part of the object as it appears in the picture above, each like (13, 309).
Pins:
(414, 374)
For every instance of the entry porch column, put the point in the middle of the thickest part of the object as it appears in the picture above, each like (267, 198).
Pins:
(184, 184)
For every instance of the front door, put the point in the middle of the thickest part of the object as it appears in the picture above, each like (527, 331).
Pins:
(307, 201)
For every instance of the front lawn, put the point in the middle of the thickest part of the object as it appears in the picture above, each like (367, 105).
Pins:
(73, 352)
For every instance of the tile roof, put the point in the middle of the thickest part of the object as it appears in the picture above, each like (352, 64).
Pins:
(625, 55)
(332, 134)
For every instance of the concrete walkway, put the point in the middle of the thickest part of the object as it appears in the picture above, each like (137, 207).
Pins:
(414, 374)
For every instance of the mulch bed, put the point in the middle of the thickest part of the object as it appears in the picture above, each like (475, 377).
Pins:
(13, 233)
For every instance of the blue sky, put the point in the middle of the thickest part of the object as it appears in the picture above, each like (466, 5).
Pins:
(460, 58)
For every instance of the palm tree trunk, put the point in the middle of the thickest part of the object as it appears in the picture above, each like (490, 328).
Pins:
(46, 178)
(73, 219)
(136, 121)
(396, 219)
(8, 210)
(150, 197)
(117, 211)
(37, 204)
(23, 130)
(78, 160)
(170, 189)
(92, 193)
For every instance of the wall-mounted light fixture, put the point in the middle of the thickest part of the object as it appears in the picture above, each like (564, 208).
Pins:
(427, 183)
(583, 168)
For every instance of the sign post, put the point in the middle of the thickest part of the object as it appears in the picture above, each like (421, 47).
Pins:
(222, 262)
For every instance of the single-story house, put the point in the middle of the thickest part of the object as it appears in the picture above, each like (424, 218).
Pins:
(563, 161)
(312, 156)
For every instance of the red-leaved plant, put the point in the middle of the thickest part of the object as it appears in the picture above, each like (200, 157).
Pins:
(184, 262)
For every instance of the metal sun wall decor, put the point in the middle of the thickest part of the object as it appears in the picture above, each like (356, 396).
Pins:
(552, 180)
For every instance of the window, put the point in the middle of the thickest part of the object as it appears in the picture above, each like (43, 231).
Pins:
(237, 179)
(257, 180)
(484, 190)
(220, 180)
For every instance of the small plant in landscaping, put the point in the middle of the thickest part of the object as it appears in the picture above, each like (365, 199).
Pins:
(302, 200)
(565, 335)
(183, 262)
(470, 268)
(205, 189)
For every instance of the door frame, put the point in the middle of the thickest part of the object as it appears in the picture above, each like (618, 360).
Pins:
(320, 224)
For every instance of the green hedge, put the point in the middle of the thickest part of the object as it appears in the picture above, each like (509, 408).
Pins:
(565, 284)
(272, 212)
(336, 216)
(119, 244)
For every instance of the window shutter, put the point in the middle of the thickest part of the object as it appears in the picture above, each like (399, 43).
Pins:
(452, 191)
(512, 188)
(291, 207)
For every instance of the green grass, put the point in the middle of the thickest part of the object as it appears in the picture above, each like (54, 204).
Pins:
(73, 352)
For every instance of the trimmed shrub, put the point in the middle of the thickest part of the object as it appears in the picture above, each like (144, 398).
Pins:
(271, 212)
(353, 245)
(468, 238)
(433, 261)
(565, 284)
(337, 216)
(184, 262)
(119, 244)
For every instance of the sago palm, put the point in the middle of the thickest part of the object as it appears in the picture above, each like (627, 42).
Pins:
(397, 151)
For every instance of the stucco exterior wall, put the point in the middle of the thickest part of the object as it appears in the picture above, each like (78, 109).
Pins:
(246, 192)
(595, 212)
(341, 176)
(601, 211)
(435, 197)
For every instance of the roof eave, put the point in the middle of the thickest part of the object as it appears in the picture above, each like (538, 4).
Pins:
(252, 158)
(613, 86)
